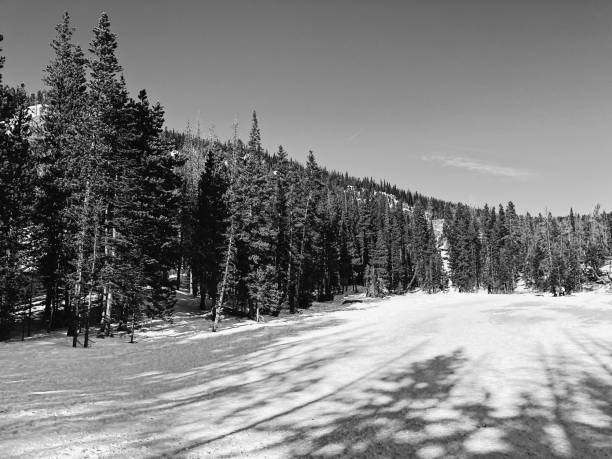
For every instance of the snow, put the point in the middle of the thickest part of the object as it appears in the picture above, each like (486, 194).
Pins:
(447, 375)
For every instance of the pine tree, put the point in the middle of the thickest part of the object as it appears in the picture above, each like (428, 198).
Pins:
(229, 279)
(2, 59)
(515, 252)
(330, 260)
(61, 157)
(345, 266)
(377, 282)
(211, 227)
(151, 233)
(16, 192)
(108, 105)
(311, 222)
(192, 152)
(421, 245)
(261, 233)
(281, 223)
(254, 145)
(295, 232)
(464, 250)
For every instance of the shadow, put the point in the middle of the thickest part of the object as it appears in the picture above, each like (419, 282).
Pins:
(57, 392)
(254, 425)
(393, 423)
(212, 397)
(412, 411)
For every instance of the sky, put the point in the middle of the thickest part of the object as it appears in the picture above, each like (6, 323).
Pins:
(480, 101)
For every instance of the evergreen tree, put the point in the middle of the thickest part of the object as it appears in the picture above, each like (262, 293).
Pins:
(282, 223)
(211, 227)
(254, 145)
(108, 106)
(464, 250)
(311, 222)
(151, 233)
(61, 157)
(16, 193)
(421, 245)
(345, 266)
(377, 281)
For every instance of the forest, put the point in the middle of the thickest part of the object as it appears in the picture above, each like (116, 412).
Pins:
(104, 213)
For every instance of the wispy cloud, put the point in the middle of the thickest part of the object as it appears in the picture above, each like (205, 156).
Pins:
(475, 165)
(354, 135)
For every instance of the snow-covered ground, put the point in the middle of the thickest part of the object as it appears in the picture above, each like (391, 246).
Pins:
(448, 375)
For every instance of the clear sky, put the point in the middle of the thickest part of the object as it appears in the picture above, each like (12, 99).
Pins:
(471, 100)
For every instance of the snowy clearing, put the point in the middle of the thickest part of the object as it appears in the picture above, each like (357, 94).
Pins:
(447, 375)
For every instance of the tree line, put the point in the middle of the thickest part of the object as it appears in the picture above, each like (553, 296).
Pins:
(497, 250)
(265, 232)
(104, 214)
(88, 193)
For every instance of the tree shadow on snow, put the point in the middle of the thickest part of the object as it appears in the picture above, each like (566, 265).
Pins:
(264, 383)
(412, 411)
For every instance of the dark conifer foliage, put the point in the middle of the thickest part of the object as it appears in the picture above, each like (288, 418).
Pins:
(461, 232)
(155, 196)
(63, 139)
(210, 226)
(91, 192)
(17, 172)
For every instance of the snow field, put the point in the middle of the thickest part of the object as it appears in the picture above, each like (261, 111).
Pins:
(447, 375)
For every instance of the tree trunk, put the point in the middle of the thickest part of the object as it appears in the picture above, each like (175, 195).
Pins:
(203, 291)
(30, 309)
(290, 292)
(48, 301)
(217, 307)
(194, 283)
(106, 293)
(23, 324)
(133, 327)
(302, 243)
(289, 284)
(53, 308)
(91, 283)
(411, 280)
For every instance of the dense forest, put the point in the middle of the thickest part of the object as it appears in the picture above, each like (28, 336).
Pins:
(104, 213)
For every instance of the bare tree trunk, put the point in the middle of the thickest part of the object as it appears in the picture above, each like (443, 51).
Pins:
(23, 324)
(554, 288)
(302, 243)
(108, 251)
(412, 280)
(133, 327)
(288, 288)
(203, 291)
(48, 299)
(91, 283)
(105, 288)
(180, 262)
(53, 308)
(110, 298)
(290, 295)
(219, 305)
(193, 281)
(30, 308)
